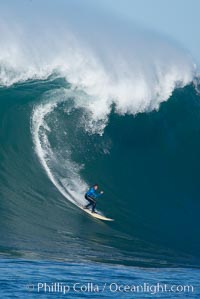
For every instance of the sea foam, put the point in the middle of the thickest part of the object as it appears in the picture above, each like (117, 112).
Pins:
(114, 62)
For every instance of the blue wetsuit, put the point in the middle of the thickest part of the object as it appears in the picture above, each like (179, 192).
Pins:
(91, 195)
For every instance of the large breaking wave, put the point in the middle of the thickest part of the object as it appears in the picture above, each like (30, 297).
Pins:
(88, 79)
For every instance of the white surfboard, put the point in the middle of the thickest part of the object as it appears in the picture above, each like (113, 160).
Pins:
(96, 215)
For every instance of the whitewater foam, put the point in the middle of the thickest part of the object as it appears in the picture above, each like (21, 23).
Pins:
(72, 186)
(120, 64)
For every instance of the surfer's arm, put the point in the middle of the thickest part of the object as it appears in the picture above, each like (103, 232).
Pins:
(93, 194)
(99, 194)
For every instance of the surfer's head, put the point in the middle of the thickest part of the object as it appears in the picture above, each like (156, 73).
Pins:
(95, 186)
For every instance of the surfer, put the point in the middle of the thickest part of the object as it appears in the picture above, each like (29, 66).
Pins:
(91, 195)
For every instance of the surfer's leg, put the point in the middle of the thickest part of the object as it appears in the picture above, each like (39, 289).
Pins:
(93, 206)
(88, 205)
(90, 202)
(86, 197)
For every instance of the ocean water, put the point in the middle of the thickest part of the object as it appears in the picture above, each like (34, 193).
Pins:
(55, 280)
(73, 114)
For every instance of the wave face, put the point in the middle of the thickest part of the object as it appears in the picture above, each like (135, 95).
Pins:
(79, 107)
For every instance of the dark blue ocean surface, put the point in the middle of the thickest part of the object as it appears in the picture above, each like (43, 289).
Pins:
(47, 279)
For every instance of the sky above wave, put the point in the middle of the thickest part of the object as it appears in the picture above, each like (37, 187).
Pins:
(179, 19)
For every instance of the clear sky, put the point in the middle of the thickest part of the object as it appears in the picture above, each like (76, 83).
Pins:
(179, 19)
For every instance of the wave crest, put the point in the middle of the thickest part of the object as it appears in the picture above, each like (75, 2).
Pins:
(113, 62)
